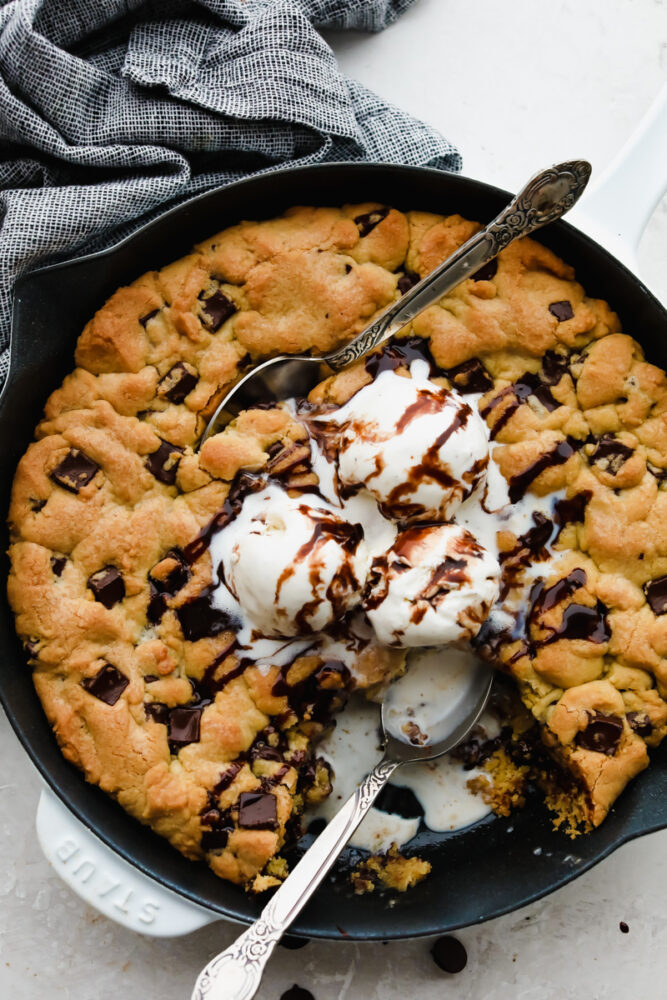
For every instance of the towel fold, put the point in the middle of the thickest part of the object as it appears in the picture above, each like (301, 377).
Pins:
(111, 110)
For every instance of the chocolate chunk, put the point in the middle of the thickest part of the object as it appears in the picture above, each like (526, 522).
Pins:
(37, 505)
(171, 573)
(58, 564)
(554, 366)
(258, 811)
(144, 319)
(107, 586)
(107, 685)
(178, 383)
(297, 993)
(200, 620)
(163, 463)
(623, 927)
(31, 648)
(407, 281)
(156, 711)
(602, 734)
(293, 943)
(486, 271)
(184, 726)
(217, 309)
(75, 471)
(449, 954)
(367, 223)
(656, 595)
(610, 454)
(640, 723)
(471, 376)
(561, 310)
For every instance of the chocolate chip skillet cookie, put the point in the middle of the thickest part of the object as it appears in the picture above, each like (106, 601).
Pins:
(141, 672)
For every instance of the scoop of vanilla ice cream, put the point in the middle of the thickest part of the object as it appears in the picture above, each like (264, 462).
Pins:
(292, 563)
(419, 448)
(435, 585)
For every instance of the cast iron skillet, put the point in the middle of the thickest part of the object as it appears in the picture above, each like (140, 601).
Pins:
(488, 869)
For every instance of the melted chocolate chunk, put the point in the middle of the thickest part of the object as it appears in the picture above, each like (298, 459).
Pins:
(561, 310)
(220, 825)
(184, 724)
(610, 454)
(602, 734)
(531, 384)
(551, 596)
(569, 511)
(297, 993)
(107, 685)
(471, 376)
(557, 456)
(258, 811)
(75, 471)
(144, 319)
(486, 271)
(407, 281)
(171, 573)
(200, 620)
(217, 309)
(554, 366)
(163, 463)
(397, 354)
(58, 564)
(449, 954)
(582, 622)
(656, 595)
(107, 586)
(178, 383)
(227, 776)
(37, 505)
(157, 711)
(367, 223)
(640, 723)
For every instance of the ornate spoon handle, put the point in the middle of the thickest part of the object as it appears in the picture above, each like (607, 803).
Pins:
(544, 199)
(235, 974)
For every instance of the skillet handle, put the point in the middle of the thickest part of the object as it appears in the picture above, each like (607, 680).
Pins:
(106, 881)
(618, 205)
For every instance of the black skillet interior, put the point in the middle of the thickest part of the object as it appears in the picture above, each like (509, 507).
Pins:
(488, 869)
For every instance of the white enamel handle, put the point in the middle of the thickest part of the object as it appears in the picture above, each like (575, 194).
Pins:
(104, 880)
(616, 207)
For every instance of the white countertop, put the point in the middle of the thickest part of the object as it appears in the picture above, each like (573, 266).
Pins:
(517, 85)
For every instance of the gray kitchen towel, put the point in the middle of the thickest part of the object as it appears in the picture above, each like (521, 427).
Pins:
(111, 109)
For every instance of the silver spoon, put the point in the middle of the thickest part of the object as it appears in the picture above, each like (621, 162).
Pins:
(544, 199)
(235, 973)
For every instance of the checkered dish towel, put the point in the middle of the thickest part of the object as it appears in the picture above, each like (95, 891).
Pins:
(109, 109)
